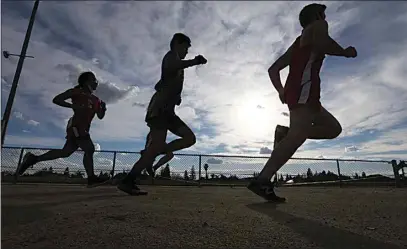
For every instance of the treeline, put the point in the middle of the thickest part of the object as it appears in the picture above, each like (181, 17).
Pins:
(192, 175)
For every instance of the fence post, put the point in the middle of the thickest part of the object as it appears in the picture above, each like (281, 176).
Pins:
(18, 163)
(20, 157)
(199, 171)
(114, 165)
(396, 173)
(339, 173)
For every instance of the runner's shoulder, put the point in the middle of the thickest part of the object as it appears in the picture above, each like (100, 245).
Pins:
(170, 57)
(319, 25)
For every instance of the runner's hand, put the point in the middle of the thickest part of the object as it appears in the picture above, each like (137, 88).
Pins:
(102, 105)
(350, 52)
(200, 59)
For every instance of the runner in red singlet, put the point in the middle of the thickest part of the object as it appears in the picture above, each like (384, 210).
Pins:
(308, 119)
(85, 106)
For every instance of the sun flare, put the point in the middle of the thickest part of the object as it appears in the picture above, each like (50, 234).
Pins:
(255, 118)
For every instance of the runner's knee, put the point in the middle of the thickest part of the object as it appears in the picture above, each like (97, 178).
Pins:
(90, 150)
(66, 153)
(170, 155)
(190, 139)
(336, 130)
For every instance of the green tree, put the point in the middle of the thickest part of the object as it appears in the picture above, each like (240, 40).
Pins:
(309, 173)
(78, 174)
(165, 172)
(363, 175)
(206, 166)
(186, 175)
(66, 171)
(212, 176)
(192, 173)
(281, 178)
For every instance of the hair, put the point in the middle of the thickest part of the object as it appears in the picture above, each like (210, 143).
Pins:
(309, 13)
(179, 38)
(84, 77)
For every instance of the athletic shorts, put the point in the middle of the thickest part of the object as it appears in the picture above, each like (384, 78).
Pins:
(161, 114)
(164, 121)
(76, 131)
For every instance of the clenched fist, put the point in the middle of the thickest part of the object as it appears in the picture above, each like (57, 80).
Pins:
(200, 59)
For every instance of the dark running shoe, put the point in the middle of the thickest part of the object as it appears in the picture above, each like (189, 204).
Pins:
(29, 160)
(265, 190)
(279, 134)
(97, 181)
(130, 188)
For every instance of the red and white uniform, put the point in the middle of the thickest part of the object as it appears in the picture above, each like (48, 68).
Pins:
(79, 124)
(303, 85)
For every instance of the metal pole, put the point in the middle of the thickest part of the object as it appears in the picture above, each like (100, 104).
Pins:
(13, 90)
(200, 170)
(6, 55)
(114, 165)
(339, 173)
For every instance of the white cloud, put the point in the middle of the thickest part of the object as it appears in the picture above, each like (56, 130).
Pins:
(351, 148)
(18, 115)
(97, 147)
(33, 122)
(229, 102)
(265, 150)
(108, 91)
(214, 161)
(34, 141)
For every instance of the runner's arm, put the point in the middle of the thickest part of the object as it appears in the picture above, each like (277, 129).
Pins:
(102, 110)
(174, 63)
(278, 65)
(61, 98)
(323, 42)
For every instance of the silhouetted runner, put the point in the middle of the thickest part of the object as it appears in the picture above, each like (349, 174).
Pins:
(308, 119)
(85, 106)
(163, 160)
(161, 115)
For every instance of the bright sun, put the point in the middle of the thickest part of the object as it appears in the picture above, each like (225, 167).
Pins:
(254, 118)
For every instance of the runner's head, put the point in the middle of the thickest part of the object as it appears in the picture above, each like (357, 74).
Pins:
(87, 80)
(311, 13)
(180, 44)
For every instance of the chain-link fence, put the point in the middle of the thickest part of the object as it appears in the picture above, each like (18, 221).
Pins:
(187, 169)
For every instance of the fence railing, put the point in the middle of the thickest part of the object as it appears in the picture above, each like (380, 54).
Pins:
(207, 169)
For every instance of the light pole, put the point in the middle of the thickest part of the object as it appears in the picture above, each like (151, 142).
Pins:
(13, 90)
(7, 54)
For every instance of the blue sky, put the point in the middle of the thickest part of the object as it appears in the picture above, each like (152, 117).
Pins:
(229, 103)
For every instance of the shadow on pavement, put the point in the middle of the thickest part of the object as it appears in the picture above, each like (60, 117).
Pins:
(89, 197)
(15, 215)
(323, 235)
